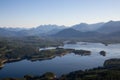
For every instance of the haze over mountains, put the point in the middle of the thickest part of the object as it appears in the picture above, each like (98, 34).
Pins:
(109, 29)
(84, 27)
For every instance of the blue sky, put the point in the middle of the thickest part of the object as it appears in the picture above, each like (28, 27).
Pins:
(32, 13)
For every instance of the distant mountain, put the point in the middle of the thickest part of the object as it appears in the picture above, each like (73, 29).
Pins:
(38, 31)
(107, 30)
(83, 27)
(67, 33)
(54, 31)
(45, 30)
(72, 33)
(114, 34)
(15, 29)
(6, 33)
(110, 27)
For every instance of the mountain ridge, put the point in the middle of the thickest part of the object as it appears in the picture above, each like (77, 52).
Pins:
(82, 30)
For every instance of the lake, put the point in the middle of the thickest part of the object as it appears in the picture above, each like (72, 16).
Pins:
(63, 64)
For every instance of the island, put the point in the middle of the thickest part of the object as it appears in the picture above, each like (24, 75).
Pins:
(103, 53)
(12, 53)
(112, 63)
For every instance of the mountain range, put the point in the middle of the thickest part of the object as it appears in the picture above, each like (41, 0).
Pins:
(84, 27)
(109, 29)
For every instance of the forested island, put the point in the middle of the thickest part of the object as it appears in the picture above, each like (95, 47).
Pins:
(16, 50)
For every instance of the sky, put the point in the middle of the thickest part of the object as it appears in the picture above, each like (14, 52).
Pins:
(32, 13)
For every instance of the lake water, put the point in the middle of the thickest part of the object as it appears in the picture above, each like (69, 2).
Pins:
(63, 64)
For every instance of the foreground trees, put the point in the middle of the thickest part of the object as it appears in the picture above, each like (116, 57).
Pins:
(94, 74)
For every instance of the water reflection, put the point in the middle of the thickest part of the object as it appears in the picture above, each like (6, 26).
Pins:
(63, 64)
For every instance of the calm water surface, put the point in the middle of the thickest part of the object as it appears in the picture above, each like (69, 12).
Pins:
(63, 64)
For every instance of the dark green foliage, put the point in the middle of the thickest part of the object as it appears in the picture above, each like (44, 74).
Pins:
(82, 52)
(93, 74)
(12, 49)
(101, 74)
(112, 63)
(103, 53)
